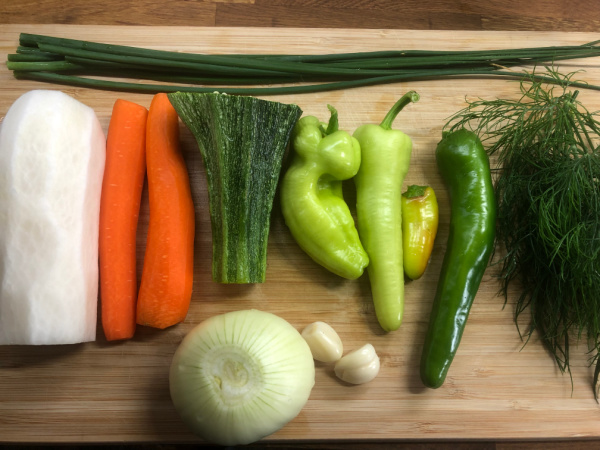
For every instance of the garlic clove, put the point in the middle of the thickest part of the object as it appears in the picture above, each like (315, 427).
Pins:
(323, 341)
(359, 366)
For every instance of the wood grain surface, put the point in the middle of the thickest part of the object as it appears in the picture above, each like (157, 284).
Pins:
(537, 15)
(105, 393)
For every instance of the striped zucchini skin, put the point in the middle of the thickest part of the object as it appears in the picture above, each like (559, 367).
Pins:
(242, 141)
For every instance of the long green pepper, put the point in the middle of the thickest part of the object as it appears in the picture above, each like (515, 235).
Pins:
(465, 168)
(385, 161)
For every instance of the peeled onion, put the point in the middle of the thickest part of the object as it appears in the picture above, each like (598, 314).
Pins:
(240, 376)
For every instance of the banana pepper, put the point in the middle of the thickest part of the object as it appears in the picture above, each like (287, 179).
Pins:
(385, 157)
(420, 219)
(312, 201)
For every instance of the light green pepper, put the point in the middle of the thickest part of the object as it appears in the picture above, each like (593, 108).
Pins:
(312, 202)
(385, 161)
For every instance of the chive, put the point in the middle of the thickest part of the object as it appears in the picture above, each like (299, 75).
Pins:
(197, 72)
(452, 60)
(392, 54)
(34, 51)
(115, 69)
(31, 57)
(547, 53)
(150, 62)
(33, 40)
(108, 69)
(58, 66)
(208, 63)
(71, 80)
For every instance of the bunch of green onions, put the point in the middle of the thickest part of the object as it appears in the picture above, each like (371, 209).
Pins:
(106, 66)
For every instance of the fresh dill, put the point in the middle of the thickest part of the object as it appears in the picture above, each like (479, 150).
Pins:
(547, 183)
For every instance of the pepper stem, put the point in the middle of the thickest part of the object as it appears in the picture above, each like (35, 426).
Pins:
(387, 121)
(333, 124)
(415, 190)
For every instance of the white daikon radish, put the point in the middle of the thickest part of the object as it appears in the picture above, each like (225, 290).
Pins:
(52, 152)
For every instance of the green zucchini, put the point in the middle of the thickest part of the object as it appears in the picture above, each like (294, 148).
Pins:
(242, 141)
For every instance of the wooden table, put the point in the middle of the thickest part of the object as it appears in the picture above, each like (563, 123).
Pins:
(547, 15)
(423, 15)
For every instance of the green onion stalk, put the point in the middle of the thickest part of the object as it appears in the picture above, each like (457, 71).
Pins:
(124, 68)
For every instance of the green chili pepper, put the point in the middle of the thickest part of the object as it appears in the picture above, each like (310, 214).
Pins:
(312, 202)
(465, 168)
(419, 227)
(385, 161)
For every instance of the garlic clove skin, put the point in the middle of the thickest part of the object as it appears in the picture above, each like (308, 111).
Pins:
(359, 366)
(323, 341)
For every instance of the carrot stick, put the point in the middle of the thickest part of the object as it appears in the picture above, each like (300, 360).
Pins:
(166, 286)
(122, 186)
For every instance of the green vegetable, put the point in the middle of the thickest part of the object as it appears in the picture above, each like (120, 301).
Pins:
(240, 376)
(420, 218)
(242, 141)
(548, 189)
(465, 168)
(385, 162)
(312, 201)
(79, 61)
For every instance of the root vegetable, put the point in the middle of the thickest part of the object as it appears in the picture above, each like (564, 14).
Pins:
(52, 154)
(167, 278)
(122, 187)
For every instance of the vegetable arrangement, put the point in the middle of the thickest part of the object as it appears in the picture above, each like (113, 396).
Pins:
(548, 192)
(240, 376)
(314, 209)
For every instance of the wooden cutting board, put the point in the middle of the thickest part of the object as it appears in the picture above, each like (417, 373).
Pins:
(496, 388)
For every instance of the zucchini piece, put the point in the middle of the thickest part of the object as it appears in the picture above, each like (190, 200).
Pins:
(242, 141)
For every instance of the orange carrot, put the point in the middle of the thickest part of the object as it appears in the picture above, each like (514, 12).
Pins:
(122, 186)
(166, 286)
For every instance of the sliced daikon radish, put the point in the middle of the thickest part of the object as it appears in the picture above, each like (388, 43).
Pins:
(240, 376)
(52, 152)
